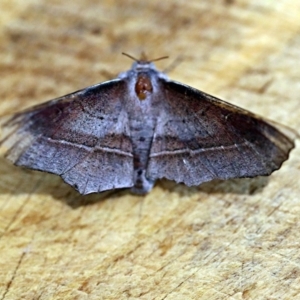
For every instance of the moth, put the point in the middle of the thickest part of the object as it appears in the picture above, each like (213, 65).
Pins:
(130, 131)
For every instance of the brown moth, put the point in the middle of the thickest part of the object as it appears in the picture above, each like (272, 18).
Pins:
(130, 131)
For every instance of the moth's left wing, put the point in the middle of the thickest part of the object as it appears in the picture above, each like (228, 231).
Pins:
(83, 137)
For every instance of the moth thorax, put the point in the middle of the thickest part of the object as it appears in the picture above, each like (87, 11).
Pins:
(143, 87)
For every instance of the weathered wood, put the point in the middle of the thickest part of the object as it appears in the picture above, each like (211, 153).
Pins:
(237, 239)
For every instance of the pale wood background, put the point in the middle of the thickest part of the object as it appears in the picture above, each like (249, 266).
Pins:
(238, 239)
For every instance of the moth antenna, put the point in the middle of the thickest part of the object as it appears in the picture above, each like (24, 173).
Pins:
(131, 57)
(144, 57)
(160, 58)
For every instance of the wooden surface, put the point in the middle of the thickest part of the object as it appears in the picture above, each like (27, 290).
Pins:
(238, 239)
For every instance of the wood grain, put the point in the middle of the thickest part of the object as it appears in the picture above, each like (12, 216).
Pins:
(237, 239)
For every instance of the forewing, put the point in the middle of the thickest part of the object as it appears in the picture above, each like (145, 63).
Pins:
(199, 138)
(83, 137)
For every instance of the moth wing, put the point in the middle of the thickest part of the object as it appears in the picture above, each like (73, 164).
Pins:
(83, 137)
(199, 138)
